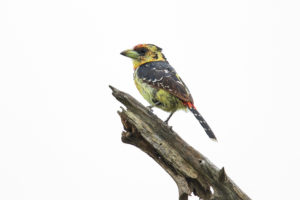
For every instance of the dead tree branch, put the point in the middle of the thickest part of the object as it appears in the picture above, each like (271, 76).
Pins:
(192, 172)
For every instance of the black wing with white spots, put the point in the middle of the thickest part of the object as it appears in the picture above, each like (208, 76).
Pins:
(160, 74)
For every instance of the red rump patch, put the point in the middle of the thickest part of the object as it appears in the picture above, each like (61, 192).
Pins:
(189, 105)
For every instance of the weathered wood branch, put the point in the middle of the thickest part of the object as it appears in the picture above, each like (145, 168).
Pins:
(192, 171)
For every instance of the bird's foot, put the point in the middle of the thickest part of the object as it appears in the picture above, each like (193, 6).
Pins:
(150, 108)
(167, 124)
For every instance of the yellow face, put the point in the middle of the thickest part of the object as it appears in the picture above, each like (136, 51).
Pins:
(144, 53)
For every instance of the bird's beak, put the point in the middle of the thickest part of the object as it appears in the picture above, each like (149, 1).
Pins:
(130, 53)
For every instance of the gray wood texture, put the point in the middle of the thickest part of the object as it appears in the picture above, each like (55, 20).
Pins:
(191, 170)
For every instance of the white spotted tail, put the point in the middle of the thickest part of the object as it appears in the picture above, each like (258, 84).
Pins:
(202, 121)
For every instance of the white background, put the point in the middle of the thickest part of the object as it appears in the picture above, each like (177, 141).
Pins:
(59, 130)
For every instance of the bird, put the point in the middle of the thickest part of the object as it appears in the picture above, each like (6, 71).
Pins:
(158, 82)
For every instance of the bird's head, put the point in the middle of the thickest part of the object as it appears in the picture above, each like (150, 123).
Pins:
(144, 53)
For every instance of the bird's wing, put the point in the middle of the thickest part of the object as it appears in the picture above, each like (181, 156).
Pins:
(160, 74)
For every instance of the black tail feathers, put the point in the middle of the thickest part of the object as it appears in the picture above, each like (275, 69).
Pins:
(203, 123)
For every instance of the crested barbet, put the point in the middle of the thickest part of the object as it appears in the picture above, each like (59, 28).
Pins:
(159, 84)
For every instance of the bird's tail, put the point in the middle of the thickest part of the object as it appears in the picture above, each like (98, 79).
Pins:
(202, 121)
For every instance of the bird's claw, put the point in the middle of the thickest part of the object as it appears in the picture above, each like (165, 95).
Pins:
(150, 108)
(166, 123)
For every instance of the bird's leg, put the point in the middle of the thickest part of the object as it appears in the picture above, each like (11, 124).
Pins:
(151, 106)
(167, 120)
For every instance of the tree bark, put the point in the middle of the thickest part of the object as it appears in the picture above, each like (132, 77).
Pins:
(192, 171)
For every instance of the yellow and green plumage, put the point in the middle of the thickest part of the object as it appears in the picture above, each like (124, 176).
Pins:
(159, 84)
(156, 96)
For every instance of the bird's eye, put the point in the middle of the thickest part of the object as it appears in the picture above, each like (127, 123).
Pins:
(142, 51)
